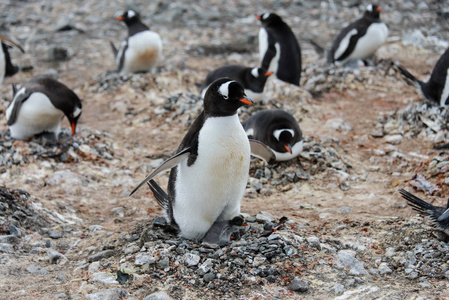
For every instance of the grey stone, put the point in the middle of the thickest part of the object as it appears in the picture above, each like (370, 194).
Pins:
(55, 234)
(35, 269)
(9, 239)
(104, 278)
(54, 256)
(101, 255)
(142, 259)
(109, 294)
(338, 289)
(191, 259)
(158, 296)
(209, 277)
(314, 242)
(205, 267)
(346, 259)
(345, 210)
(299, 285)
(164, 263)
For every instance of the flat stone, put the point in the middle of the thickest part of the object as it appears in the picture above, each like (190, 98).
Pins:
(158, 296)
(346, 259)
(101, 255)
(104, 278)
(299, 285)
(109, 294)
(191, 259)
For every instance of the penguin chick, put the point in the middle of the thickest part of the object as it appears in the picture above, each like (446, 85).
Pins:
(142, 49)
(435, 89)
(278, 130)
(210, 170)
(439, 215)
(360, 39)
(39, 106)
(278, 48)
(252, 79)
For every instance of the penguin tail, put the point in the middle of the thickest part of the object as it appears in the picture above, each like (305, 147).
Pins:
(418, 204)
(407, 74)
(160, 195)
(114, 50)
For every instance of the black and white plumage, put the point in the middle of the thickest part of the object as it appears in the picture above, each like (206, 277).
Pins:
(6, 66)
(278, 130)
(435, 89)
(142, 49)
(439, 215)
(252, 79)
(39, 106)
(278, 49)
(210, 170)
(360, 39)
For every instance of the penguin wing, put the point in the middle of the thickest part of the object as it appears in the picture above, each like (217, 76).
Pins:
(120, 57)
(444, 216)
(262, 151)
(20, 97)
(114, 50)
(346, 41)
(166, 165)
(270, 53)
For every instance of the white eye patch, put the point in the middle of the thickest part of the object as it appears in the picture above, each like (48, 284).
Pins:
(369, 7)
(265, 15)
(76, 112)
(277, 133)
(224, 89)
(131, 13)
(255, 72)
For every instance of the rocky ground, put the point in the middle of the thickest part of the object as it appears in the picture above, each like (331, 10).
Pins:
(70, 231)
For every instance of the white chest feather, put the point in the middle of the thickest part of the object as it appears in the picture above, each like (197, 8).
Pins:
(213, 186)
(263, 43)
(36, 115)
(283, 156)
(2, 65)
(445, 92)
(143, 52)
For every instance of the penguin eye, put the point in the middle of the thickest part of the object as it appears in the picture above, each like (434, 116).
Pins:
(225, 97)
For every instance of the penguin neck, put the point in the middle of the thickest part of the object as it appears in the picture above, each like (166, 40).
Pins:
(216, 112)
(136, 27)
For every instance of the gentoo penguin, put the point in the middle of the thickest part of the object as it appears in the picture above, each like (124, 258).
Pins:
(360, 39)
(439, 215)
(436, 89)
(252, 79)
(142, 50)
(278, 130)
(6, 66)
(278, 48)
(38, 107)
(210, 170)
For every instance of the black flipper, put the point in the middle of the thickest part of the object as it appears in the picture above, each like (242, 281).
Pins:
(17, 102)
(114, 50)
(166, 165)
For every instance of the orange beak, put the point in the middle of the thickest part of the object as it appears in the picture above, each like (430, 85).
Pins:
(379, 9)
(258, 17)
(246, 100)
(288, 148)
(73, 128)
(119, 18)
(268, 73)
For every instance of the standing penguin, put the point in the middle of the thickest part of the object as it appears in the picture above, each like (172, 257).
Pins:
(142, 50)
(436, 89)
(210, 170)
(6, 66)
(360, 39)
(278, 130)
(38, 107)
(278, 48)
(252, 79)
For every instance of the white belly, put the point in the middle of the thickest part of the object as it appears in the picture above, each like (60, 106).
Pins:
(213, 186)
(2, 66)
(445, 92)
(263, 43)
(36, 115)
(143, 52)
(375, 36)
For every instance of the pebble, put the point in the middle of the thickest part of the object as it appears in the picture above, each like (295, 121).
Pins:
(191, 259)
(299, 285)
(346, 259)
(104, 278)
(109, 294)
(338, 289)
(101, 255)
(158, 296)
(384, 269)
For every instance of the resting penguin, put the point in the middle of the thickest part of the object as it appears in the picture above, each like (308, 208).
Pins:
(278, 130)
(252, 79)
(38, 107)
(436, 89)
(142, 50)
(360, 39)
(278, 48)
(210, 170)
(6, 66)
(439, 215)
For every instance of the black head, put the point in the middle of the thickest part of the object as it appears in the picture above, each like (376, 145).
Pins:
(257, 77)
(223, 97)
(284, 136)
(269, 19)
(373, 11)
(237, 221)
(130, 16)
